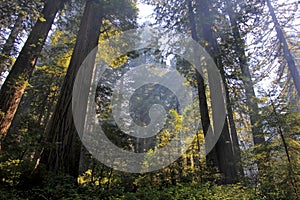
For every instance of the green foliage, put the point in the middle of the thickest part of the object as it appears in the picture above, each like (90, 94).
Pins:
(9, 172)
(21, 182)
(193, 192)
(63, 187)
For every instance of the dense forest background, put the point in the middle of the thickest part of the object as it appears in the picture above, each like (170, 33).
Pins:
(255, 46)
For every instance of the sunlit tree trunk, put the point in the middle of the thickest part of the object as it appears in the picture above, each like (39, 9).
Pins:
(222, 154)
(17, 80)
(63, 151)
(211, 158)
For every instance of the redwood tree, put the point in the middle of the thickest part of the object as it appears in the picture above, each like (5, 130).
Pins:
(16, 82)
(63, 152)
(239, 47)
(222, 155)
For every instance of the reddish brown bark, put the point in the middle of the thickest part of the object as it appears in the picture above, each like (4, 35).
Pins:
(63, 153)
(16, 82)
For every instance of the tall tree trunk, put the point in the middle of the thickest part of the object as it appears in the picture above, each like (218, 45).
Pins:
(10, 142)
(16, 82)
(246, 77)
(62, 156)
(222, 154)
(233, 133)
(229, 163)
(14, 134)
(285, 48)
(5, 61)
(257, 134)
(211, 158)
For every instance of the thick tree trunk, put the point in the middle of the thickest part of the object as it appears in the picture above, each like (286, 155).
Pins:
(246, 77)
(222, 154)
(16, 82)
(10, 142)
(286, 51)
(229, 163)
(14, 135)
(63, 153)
(234, 137)
(5, 61)
(211, 158)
